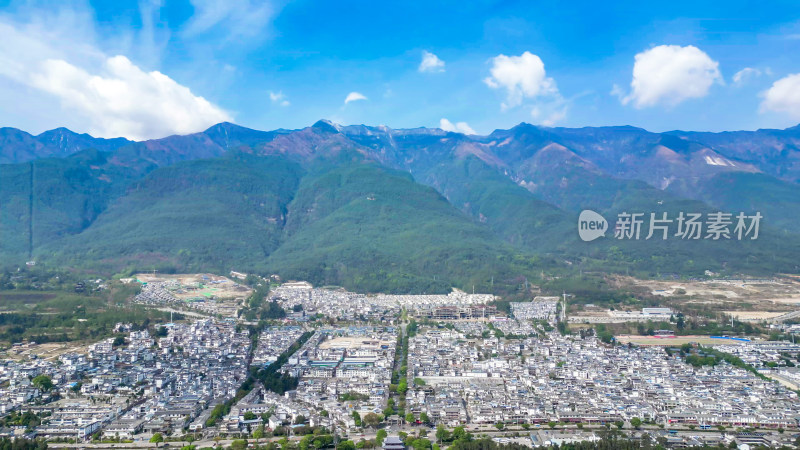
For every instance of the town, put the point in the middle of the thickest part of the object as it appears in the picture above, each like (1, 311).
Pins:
(382, 370)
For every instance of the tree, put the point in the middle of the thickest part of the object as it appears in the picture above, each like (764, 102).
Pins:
(357, 419)
(402, 387)
(442, 434)
(636, 422)
(239, 444)
(346, 445)
(499, 425)
(258, 434)
(410, 418)
(423, 417)
(43, 382)
(372, 420)
(619, 424)
(299, 419)
(157, 439)
(380, 436)
(421, 444)
(249, 415)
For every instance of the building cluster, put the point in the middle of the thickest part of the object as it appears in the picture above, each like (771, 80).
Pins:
(273, 341)
(260, 404)
(333, 303)
(541, 308)
(615, 316)
(570, 379)
(344, 305)
(775, 359)
(455, 305)
(472, 328)
(515, 328)
(474, 367)
(761, 353)
(174, 293)
(148, 384)
(342, 370)
(457, 312)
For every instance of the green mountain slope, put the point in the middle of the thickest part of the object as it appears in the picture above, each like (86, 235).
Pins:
(44, 200)
(508, 209)
(199, 215)
(777, 200)
(375, 229)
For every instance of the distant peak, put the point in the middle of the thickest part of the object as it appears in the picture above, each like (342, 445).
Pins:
(525, 127)
(225, 126)
(327, 125)
(60, 131)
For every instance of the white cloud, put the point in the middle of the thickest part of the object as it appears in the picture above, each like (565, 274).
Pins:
(743, 76)
(430, 63)
(618, 92)
(278, 98)
(553, 115)
(523, 77)
(239, 18)
(125, 100)
(671, 74)
(55, 58)
(783, 97)
(354, 97)
(459, 127)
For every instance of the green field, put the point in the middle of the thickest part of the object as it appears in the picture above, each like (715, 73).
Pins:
(64, 316)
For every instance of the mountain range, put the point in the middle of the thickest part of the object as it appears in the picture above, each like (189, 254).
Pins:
(401, 210)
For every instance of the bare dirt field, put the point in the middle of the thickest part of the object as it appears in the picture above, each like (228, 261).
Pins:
(199, 285)
(674, 341)
(753, 315)
(210, 294)
(352, 343)
(759, 296)
(48, 351)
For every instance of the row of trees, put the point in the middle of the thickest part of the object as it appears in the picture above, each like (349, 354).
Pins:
(22, 444)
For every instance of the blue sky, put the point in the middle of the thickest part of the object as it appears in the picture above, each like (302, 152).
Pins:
(148, 68)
